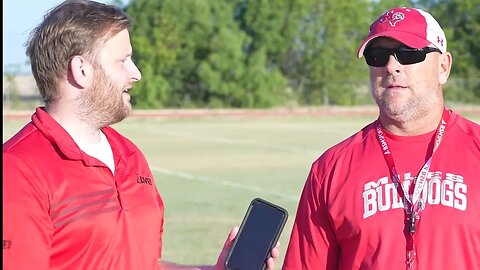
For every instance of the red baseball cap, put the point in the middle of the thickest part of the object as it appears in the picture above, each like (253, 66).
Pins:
(410, 26)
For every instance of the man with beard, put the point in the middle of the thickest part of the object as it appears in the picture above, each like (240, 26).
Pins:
(77, 194)
(402, 193)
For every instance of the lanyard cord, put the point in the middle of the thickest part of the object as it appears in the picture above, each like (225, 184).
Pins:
(412, 203)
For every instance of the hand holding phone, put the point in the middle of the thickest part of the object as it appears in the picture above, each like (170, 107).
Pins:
(258, 234)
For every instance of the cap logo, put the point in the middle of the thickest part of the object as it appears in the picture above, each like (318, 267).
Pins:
(440, 40)
(393, 17)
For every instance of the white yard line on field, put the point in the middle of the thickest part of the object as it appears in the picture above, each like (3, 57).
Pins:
(223, 183)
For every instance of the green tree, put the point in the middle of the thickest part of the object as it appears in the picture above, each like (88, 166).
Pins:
(194, 54)
(263, 53)
(11, 96)
(151, 53)
(327, 71)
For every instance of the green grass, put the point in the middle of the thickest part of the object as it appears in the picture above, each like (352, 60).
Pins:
(209, 169)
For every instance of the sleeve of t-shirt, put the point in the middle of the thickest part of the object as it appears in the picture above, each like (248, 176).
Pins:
(312, 241)
(26, 222)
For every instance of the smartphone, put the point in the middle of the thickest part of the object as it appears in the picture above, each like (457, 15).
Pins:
(258, 234)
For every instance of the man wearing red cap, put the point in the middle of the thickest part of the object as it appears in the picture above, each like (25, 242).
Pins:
(404, 192)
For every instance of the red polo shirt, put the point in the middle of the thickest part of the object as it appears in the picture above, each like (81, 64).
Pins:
(63, 209)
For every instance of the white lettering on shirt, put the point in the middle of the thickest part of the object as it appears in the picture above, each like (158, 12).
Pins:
(450, 191)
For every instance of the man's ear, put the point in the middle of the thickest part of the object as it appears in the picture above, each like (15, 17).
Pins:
(81, 72)
(444, 67)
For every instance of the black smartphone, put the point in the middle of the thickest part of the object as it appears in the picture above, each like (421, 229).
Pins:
(258, 234)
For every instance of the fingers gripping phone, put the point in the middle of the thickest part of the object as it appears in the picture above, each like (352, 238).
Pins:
(258, 234)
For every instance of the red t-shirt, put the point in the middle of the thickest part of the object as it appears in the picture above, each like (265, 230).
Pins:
(350, 215)
(63, 209)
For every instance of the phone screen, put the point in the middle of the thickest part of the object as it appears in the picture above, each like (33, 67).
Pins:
(258, 233)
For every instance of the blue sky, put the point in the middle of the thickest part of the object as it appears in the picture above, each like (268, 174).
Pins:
(19, 18)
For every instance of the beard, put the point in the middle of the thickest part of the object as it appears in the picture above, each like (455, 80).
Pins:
(412, 108)
(103, 104)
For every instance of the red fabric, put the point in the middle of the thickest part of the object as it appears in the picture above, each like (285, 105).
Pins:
(63, 209)
(350, 215)
(412, 27)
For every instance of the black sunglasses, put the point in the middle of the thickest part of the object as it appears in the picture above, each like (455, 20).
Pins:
(378, 57)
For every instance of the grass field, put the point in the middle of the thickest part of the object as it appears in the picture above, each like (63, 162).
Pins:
(208, 169)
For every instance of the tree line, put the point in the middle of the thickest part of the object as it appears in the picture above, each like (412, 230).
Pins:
(267, 53)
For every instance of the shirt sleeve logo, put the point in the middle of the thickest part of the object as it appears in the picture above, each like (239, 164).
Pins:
(144, 180)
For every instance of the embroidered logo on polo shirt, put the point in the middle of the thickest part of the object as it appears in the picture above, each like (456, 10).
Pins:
(144, 180)
(7, 244)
